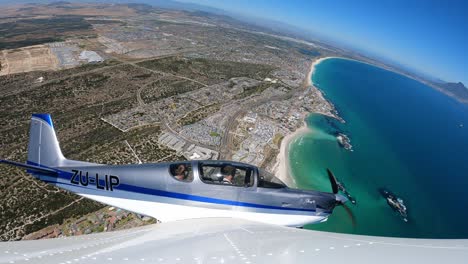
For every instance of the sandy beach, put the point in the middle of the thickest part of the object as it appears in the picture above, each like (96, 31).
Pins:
(312, 68)
(281, 167)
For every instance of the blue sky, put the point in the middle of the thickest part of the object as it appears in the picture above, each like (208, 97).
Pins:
(429, 36)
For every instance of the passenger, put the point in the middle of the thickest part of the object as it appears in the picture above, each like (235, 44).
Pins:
(229, 172)
(180, 173)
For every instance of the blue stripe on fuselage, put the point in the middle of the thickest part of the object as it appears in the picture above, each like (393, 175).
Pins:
(142, 190)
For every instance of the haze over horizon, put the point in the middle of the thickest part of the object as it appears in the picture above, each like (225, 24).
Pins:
(427, 36)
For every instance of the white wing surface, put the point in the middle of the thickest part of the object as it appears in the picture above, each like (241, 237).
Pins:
(226, 240)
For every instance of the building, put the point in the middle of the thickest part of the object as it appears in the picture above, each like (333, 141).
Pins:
(90, 56)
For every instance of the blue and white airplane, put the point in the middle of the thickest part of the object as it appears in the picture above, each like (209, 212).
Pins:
(212, 212)
(177, 190)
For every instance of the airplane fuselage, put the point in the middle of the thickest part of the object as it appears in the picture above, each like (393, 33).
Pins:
(150, 189)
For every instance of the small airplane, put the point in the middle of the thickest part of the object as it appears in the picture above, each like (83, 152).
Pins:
(219, 193)
(177, 190)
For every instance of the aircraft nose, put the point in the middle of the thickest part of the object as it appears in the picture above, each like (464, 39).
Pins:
(340, 199)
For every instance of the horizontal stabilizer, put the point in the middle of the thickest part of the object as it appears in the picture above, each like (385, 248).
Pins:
(31, 168)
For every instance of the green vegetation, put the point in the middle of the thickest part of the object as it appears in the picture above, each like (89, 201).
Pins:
(167, 87)
(105, 22)
(310, 52)
(142, 9)
(277, 139)
(214, 134)
(199, 114)
(248, 91)
(270, 156)
(208, 71)
(27, 32)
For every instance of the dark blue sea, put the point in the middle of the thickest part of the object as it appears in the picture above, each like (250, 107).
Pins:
(407, 137)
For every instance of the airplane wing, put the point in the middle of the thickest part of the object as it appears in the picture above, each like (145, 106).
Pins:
(227, 240)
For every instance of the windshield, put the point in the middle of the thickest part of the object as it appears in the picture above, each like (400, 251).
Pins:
(226, 173)
(268, 180)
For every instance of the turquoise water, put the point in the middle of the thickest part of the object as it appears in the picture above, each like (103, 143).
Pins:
(406, 137)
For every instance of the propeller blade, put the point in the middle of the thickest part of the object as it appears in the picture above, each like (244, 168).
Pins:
(350, 215)
(332, 178)
(341, 199)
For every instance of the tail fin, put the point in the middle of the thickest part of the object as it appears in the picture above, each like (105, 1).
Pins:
(43, 148)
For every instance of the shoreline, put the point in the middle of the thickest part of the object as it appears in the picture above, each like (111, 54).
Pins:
(314, 63)
(282, 168)
(310, 84)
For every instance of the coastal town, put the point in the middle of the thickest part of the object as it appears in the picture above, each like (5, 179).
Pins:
(139, 84)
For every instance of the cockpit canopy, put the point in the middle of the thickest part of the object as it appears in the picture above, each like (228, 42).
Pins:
(226, 173)
(268, 180)
(182, 171)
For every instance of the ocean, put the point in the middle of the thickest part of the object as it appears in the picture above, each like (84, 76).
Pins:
(406, 137)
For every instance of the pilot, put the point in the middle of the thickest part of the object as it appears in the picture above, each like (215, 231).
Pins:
(229, 172)
(180, 172)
